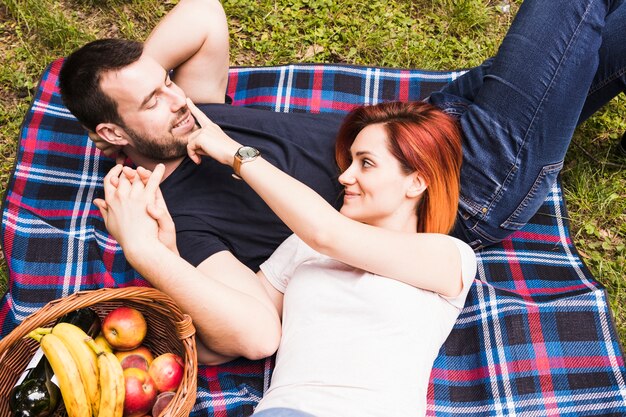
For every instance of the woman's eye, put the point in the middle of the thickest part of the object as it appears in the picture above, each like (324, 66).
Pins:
(153, 103)
(366, 163)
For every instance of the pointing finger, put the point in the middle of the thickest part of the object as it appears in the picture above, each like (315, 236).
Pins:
(200, 117)
(155, 179)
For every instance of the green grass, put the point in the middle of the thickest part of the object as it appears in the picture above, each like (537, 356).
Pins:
(430, 34)
(595, 191)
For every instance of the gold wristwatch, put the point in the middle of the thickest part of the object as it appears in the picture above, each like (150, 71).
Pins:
(243, 155)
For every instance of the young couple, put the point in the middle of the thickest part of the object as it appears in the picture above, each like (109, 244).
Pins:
(375, 287)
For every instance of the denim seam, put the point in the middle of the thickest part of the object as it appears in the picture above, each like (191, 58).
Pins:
(487, 239)
(475, 208)
(449, 107)
(548, 169)
(608, 80)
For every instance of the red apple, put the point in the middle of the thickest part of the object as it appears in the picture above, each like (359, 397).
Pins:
(141, 392)
(162, 401)
(141, 350)
(124, 328)
(134, 361)
(167, 371)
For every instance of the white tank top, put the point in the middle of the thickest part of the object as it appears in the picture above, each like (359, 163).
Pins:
(354, 343)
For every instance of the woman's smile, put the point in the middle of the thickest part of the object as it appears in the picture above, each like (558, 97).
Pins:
(350, 195)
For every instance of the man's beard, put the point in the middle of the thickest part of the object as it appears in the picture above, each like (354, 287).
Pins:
(165, 148)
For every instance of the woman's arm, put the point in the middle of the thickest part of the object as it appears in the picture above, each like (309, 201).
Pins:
(427, 261)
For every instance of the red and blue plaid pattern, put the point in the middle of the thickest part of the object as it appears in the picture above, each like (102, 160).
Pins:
(536, 336)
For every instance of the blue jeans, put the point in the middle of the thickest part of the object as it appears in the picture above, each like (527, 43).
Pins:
(560, 61)
(281, 412)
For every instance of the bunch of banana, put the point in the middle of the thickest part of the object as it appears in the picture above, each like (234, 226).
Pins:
(75, 339)
(65, 369)
(91, 380)
(112, 385)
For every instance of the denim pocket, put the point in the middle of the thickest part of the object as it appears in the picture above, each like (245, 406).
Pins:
(534, 198)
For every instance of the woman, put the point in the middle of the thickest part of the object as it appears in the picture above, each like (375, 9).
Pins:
(369, 294)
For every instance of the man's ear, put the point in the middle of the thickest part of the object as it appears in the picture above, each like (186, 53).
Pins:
(112, 133)
(417, 186)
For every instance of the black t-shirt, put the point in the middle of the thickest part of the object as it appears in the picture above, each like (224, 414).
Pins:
(213, 211)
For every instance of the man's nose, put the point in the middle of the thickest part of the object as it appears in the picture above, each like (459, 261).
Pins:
(178, 101)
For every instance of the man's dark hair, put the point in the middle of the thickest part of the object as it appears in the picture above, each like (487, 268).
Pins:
(80, 76)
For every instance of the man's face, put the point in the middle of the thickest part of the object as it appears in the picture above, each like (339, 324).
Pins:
(156, 118)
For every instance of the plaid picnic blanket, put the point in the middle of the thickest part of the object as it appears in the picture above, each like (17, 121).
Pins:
(535, 338)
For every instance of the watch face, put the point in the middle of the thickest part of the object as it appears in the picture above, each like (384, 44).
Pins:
(248, 152)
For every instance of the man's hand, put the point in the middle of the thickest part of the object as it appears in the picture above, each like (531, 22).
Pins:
(107, 148)
(125, 208)
(210, 140)
(159, 212)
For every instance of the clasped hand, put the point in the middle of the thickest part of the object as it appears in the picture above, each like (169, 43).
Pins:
(134, 210)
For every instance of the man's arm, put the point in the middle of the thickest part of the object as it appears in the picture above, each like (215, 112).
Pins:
(231, 309)
(192, 39)
(227, 269)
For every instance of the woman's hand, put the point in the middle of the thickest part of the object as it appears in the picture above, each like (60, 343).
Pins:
(130, 207)
(210, 140)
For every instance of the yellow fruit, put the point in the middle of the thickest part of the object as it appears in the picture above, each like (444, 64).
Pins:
(112, 389)
(102, 341)
(75, 340)
(66, 371)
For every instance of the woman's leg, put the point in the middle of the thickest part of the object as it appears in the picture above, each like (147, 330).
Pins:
(522, 116)
(610, 79)
(608, 82)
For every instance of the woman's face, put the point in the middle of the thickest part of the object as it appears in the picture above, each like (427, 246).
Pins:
(376, 190)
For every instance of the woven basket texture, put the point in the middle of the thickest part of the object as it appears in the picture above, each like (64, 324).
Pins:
(169, 330)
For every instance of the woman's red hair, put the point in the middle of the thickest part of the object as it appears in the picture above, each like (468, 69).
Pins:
(425, 140)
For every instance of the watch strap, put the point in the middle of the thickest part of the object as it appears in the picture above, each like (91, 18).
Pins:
(240, 159)
(237, 166)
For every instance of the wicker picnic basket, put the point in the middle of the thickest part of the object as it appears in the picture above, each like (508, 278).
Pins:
(169, 330)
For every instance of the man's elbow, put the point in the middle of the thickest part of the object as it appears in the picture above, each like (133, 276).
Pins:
(259, 348)
(252, 353)
(260, 353)
(262, 347)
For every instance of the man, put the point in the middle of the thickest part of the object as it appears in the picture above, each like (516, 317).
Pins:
(224, 230)
(559, 63)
